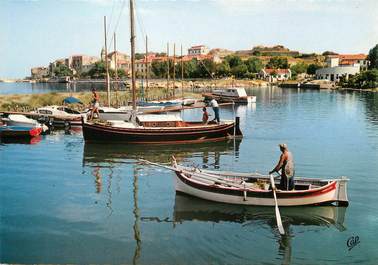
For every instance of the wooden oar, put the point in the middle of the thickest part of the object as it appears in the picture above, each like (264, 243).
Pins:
(197, 175)
(278, 215)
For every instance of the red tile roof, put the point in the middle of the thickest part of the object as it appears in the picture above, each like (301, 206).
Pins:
(277, 71)
(197, 46)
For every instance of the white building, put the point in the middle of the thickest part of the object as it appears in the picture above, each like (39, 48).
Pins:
(342, 65)
(274, 75)
(198, 50)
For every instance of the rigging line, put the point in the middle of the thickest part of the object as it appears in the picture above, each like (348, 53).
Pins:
(118, 20)
(211, 75)
(140, 23)
(111, 19)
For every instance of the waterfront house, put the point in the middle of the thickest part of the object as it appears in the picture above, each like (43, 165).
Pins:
(342, 65)
(198, 50)
(274, 75)
(123, 61)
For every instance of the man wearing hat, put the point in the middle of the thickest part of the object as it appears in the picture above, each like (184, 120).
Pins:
(286, 165)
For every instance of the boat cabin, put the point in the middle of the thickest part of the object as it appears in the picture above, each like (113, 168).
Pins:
(231, 92)
(160, 121)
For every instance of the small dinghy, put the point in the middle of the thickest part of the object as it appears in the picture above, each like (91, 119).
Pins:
(255, 189)
(19, 120)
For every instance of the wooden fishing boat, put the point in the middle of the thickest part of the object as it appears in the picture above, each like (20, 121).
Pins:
(19, 132)
(232, 94)
(160, 129)
(254, 188)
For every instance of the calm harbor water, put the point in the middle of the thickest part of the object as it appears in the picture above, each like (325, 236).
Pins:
(64, 201)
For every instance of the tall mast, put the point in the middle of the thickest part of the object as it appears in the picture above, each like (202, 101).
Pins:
(116, 67)
(167, 70)
(174, 68)
(132, 41)
(106, 66)
(147, 67)
(182, 74)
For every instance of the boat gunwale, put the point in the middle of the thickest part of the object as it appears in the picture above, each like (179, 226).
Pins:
(219, 188)
(167, 130)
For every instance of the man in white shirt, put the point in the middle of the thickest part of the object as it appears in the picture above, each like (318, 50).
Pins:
(215, 106)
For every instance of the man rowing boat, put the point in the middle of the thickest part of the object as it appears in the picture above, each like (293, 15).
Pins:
(286, 165)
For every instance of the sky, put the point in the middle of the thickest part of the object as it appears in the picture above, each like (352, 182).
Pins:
(37, 32)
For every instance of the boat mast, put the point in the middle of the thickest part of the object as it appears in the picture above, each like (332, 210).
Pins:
(115, 69)
(174, 69)
(132, 41)
(167, 95)
(106, 66)
(182, 75)
(146, 67)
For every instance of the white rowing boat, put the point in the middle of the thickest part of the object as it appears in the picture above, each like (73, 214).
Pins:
(254, 188)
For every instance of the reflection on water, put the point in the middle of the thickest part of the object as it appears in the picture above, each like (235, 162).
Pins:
(189, 209)
(32, 140)
(111, 154)
(136, 227)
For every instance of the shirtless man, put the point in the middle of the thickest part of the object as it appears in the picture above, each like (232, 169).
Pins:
(286, 165)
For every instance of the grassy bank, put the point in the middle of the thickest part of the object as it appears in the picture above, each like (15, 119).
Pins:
(158, 91)
(28, 102)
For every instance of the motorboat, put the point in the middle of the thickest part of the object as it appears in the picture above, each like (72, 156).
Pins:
(232, 94)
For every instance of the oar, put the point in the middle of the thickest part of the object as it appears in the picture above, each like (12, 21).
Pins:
(197, 175)
(278, 215)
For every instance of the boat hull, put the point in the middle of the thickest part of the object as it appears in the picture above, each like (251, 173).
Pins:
(19, 132)
(171, 135)
(333, 192)
(227, 99)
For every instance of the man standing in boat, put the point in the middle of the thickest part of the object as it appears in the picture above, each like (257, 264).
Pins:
(215, 106)
(95, 103)
(286, 165)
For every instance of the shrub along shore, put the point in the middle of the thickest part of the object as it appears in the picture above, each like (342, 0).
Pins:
(28, 102)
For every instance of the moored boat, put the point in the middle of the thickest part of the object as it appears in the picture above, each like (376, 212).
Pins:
(159, 129)
(22, 121)
(254, 188)
(232, 94)
(61, 115)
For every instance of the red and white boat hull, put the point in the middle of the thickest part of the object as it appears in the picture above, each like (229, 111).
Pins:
(333, 192)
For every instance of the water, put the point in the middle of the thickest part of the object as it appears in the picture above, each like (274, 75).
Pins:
(63, 201)
(38, 88)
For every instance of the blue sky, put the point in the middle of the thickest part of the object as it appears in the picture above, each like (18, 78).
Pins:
(34, 33)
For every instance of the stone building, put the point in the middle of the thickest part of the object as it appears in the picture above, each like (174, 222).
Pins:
(39, 72)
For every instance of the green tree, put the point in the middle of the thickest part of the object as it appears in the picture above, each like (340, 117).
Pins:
(97, 71)
(326, 53)
(223, 69)
(233, 60)
(254, 65)
(62, 70)
(159, 69)
(278, 63)
(298, 68)
(373, 57)
(311, 69)
(240, 71)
